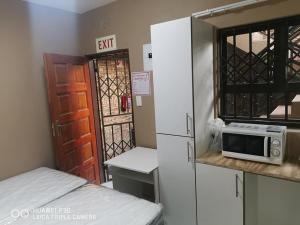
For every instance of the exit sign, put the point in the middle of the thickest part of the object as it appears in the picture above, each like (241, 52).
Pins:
(105, 44)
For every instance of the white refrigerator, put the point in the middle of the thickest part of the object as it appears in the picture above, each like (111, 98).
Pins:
(183, 88)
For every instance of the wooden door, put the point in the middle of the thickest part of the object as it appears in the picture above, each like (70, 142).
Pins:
(71, 108)
(172, 75)
(220, 195)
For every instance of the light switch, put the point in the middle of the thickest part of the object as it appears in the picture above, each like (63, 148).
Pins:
(139, 102)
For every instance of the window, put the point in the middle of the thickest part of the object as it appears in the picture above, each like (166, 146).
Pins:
(260, 72)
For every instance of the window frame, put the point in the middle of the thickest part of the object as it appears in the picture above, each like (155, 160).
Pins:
(280, 85)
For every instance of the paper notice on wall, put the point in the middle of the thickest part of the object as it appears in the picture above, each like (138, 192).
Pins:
(141, 84)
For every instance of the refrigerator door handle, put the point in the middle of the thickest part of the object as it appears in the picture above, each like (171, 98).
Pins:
(191, 154)
(188, 150)
(187, 123)
(188, 119)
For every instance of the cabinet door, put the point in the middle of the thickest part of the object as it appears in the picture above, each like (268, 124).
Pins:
(219, 195)
(172, 75)
(177, 179)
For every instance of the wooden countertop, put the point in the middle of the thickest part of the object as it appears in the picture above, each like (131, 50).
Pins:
(289, 170)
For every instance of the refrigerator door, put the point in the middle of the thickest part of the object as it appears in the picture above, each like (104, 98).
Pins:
(172, 75)
(177, 179)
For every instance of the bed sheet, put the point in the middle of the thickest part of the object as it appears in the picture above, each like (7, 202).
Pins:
(34, 189)
(96, 205)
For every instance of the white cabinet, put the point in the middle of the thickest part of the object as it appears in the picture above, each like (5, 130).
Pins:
(271, 201)
(182, 64)
(219, 195)
(177, 179)
(172, 75)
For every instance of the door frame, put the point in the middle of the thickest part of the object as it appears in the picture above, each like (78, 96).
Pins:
(96, 117)
(93, 67)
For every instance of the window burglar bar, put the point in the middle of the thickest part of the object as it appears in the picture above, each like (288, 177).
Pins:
(260, 72)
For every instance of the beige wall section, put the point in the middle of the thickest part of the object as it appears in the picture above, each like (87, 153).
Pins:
(130, 20)
(26, 32)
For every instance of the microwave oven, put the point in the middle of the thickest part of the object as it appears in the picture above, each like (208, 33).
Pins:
(255, 142)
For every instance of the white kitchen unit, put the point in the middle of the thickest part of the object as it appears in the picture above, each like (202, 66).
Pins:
(172, 74)
(177, 179)
(183, 89)
(219, 195)
(271, 201)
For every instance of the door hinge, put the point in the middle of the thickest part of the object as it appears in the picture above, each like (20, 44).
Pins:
(95, 66)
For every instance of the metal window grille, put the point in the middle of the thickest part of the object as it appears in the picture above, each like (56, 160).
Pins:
(260, 72)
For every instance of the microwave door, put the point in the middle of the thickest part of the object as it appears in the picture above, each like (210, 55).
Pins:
(245, 144)
(267, 147)
(233, 143)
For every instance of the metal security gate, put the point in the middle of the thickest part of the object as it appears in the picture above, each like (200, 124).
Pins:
(113, 82)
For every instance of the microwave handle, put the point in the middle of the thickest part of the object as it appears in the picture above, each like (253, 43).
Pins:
(267, 147)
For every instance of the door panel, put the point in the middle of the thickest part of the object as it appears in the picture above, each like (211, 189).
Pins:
(113, 83)
(219, 195)
(70, 160)
(172, 74)
(70, 100)
(86, 152)
(176, 179)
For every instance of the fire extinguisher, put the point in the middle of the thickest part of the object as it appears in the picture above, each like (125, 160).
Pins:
(124, 103)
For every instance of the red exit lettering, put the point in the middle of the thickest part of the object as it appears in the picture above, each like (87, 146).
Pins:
(104, 44)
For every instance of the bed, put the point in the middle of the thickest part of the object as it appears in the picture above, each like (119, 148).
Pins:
(46, 196)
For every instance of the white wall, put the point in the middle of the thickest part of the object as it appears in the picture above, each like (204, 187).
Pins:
(26, 32)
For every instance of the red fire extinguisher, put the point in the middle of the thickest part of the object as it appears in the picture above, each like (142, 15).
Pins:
(124, 103)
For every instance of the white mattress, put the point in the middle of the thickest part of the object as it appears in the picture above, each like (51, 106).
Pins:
(97, 206)
(34, 189)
